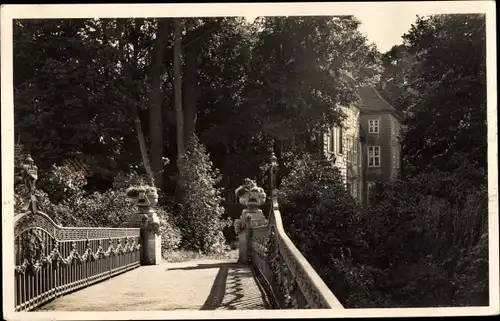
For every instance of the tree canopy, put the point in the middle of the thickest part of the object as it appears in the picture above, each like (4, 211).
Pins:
(439, 80)
(84, 85)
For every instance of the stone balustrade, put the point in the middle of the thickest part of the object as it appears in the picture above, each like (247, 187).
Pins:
(284, 273)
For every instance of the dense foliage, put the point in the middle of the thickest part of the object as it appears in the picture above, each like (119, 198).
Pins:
(423, 241)
(99, 90)
(200, 218)
(62, 196)
(316, 209)
(321, 219)
(432, 246)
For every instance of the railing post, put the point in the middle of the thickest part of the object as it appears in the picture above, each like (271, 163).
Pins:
(145, 198)
(251, 196)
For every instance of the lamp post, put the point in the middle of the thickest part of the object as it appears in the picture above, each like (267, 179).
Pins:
(274, 168)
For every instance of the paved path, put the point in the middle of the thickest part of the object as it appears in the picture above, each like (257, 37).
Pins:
(193, 285)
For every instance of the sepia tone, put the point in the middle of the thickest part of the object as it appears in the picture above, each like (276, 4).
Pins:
(228, 163)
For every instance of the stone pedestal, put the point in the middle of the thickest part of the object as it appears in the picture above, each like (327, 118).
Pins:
(251, 196)
(152, 249)
(253, 217)
(244, 240)
(257, 217)
(151, 241)
(147, 219)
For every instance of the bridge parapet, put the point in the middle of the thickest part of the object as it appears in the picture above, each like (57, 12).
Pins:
(284, 273)
(52, 260)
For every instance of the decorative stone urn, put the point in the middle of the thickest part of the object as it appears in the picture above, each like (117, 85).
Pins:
(251, 196)
(145, 197)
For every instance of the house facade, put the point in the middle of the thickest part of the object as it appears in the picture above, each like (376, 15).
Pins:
(343, 146)
(366, 147)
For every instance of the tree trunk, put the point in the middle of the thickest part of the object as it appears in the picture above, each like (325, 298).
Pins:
(177, 88)
(155, 107)
(133, 107)
(142, 145)
(190, 90)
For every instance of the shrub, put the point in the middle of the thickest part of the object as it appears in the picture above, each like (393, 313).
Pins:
(171, 236)
(62, 183)
(110, 208)
(428, 233)
(423, 241)
(200, 217)
(318, 214)
(317, 210)
(125, 180)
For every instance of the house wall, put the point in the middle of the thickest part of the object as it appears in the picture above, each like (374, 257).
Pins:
(345, 145)
(387, 139)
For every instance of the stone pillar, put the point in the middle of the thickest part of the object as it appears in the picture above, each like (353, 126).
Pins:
(244, 240)
(147, 219)
(251, 196)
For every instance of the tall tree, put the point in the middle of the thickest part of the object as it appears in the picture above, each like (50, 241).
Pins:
(445, 95)
(156, 102)
(397, 64)
(178, 89)
(67, 99)
(286, 85)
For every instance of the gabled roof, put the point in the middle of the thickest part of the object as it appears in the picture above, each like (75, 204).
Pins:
(371, 100)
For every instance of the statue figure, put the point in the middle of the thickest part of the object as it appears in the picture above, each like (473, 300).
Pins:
(30, 174)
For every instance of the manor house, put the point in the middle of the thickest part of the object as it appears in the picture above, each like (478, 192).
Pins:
(366, 147)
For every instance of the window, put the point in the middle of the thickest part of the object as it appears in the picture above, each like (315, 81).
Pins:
(373, 126)
(356, 151)
(341, 141)
(373, 156)
(332, 141)
(352, 149)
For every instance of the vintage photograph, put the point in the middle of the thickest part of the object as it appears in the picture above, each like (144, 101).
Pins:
(246, 162)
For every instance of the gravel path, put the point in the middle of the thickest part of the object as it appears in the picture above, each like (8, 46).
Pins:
(193, 285)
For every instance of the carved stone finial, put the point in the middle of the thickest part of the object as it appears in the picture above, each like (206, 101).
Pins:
(250, 195)
(143, 196)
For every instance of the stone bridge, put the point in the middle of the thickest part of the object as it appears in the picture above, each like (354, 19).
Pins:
(120, 269)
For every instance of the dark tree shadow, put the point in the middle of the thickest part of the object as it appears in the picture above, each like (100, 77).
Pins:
(207, 266)
(218, 290)
(229, 283)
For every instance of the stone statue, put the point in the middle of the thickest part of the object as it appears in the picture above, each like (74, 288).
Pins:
(30, 174)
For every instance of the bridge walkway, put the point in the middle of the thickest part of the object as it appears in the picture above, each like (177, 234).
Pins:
(193, 285)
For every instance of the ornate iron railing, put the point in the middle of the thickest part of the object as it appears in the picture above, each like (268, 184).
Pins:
(52, 260)
(285, 274)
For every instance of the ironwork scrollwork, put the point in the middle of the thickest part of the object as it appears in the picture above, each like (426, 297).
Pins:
(34, 258)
